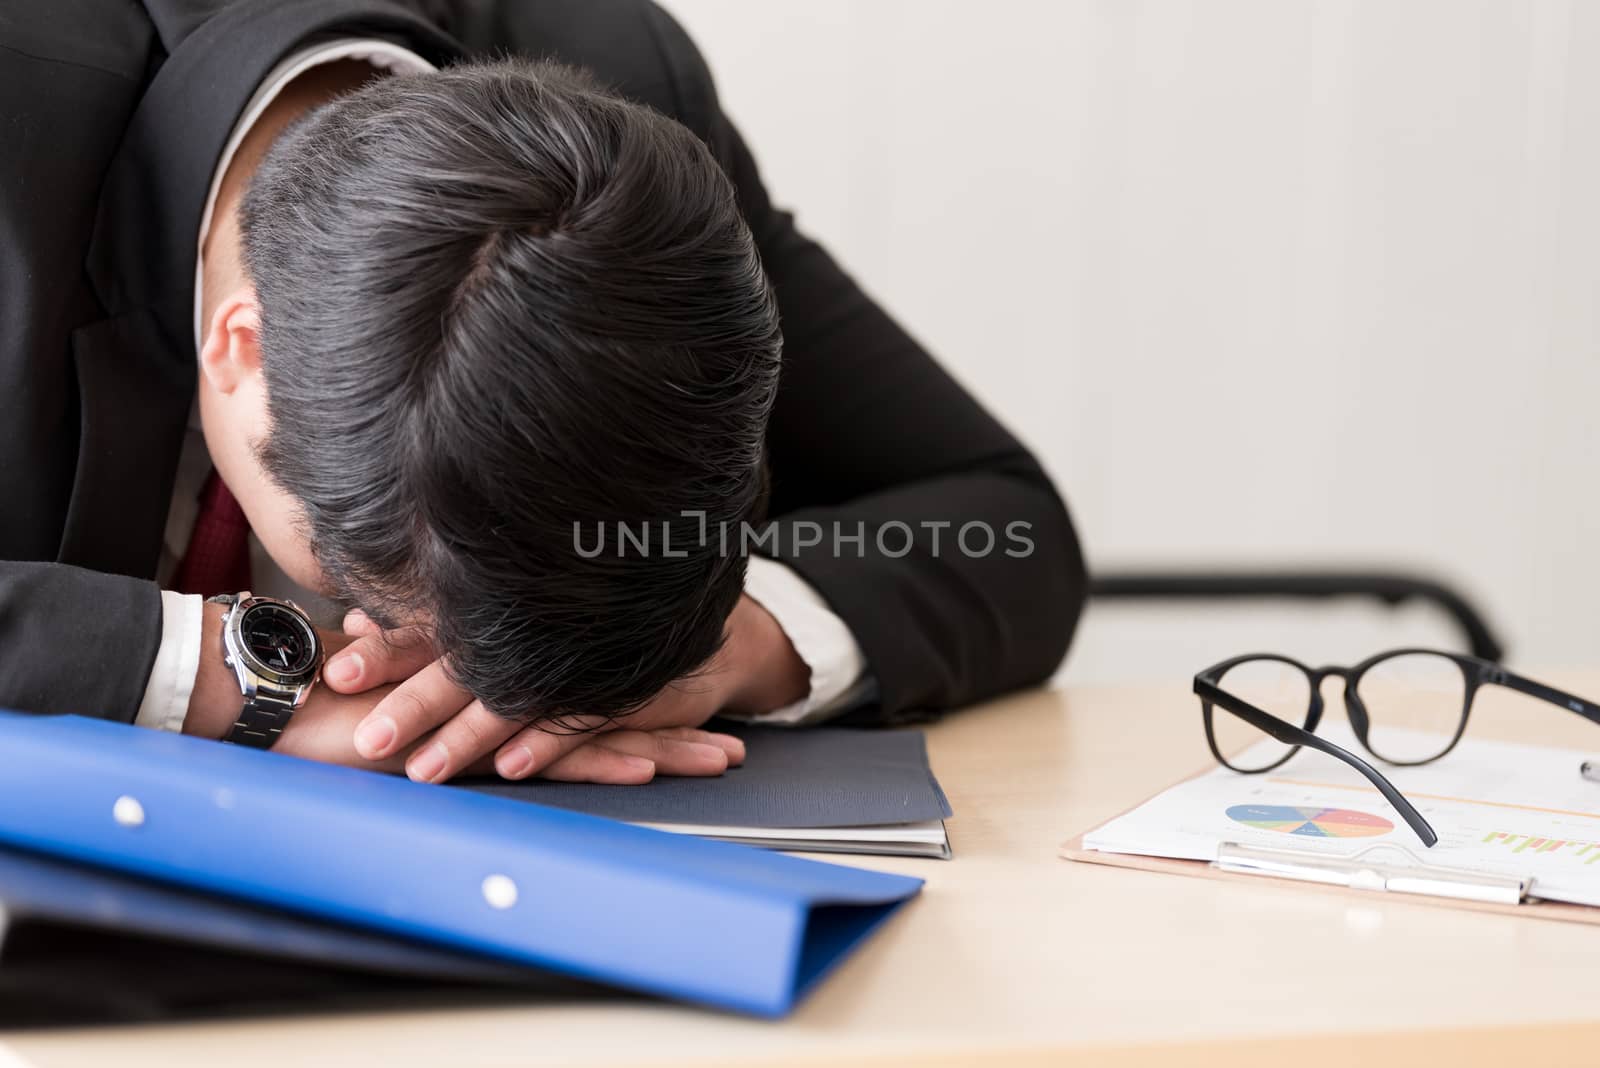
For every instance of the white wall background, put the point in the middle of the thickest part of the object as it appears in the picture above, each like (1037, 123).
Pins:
(1262, 281)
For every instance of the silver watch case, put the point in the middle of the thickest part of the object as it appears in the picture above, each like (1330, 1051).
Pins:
(255, 677)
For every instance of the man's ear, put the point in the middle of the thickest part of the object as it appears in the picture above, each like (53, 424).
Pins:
(231, 354)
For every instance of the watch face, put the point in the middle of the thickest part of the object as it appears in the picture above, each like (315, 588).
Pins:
(278, 638)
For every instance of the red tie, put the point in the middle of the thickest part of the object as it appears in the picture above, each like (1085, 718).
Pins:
(218, 558)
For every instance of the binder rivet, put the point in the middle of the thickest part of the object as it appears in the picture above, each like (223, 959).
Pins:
(499, 891)
(128, 812)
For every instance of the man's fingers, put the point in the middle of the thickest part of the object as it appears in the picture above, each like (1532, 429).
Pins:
(418, 705)
(730, 745)
(596, 763)
(358, 624)
(670, 755)
(538, 747)
(687, 703)
(671, 751)
(376, 658)
(472, 733)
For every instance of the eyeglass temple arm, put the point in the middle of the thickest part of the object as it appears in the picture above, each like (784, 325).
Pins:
(1587, 709)
(1289, 734)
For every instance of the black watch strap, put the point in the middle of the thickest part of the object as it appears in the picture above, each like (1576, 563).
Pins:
(260, 721)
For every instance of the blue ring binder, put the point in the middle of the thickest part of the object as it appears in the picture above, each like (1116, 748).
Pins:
(701, 921)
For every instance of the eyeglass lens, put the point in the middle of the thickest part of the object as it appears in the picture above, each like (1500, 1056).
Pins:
(1415, 703)
(1274, 686)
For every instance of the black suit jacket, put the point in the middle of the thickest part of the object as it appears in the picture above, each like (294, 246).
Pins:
(114, 114)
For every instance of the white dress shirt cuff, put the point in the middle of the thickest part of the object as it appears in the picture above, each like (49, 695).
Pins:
(821, 638)
(166, 695)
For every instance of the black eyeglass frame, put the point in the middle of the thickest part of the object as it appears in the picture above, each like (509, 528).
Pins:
(1476, 673)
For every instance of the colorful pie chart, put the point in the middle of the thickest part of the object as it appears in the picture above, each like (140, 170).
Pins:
(1314, 822)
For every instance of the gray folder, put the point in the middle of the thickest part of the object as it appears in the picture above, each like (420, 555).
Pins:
(791, 778)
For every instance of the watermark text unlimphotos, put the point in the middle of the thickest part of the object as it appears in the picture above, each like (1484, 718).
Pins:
(892, 539)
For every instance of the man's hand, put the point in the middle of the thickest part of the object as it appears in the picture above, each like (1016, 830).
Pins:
(757, 670)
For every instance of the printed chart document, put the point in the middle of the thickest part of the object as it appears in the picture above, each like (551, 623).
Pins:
(1499, 809)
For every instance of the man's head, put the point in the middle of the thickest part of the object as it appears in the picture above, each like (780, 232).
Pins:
(495, 303)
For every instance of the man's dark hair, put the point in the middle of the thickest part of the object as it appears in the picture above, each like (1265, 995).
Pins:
(497, 303)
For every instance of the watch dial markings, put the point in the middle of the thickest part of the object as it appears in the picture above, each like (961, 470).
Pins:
(277, 638)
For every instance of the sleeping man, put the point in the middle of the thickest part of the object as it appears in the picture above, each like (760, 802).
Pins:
(371, 393)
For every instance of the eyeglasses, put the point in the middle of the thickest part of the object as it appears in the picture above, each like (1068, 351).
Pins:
(1406, 707)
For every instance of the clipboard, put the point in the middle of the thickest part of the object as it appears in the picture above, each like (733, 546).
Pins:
(1389, 871)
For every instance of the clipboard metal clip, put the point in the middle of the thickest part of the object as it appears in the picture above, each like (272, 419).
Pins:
(1386, 868)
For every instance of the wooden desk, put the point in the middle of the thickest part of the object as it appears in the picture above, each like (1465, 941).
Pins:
(1015, 956)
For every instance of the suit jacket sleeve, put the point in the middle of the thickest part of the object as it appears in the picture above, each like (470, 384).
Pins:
(73, 640)
(869, 433)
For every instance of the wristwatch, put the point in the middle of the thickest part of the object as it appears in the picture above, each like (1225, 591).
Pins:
(274, 651)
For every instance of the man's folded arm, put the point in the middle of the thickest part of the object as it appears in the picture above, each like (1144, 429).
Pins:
(931, 532)
(73, 640)
(871, 439)
(822, 640)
